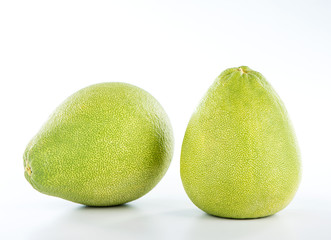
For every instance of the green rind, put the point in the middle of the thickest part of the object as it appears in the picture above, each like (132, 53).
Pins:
(240, 157)
(105, 145)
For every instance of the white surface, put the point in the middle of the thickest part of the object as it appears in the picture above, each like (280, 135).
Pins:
(174, 50)
(158, 218)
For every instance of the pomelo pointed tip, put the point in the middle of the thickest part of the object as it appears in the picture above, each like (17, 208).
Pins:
(244, 69)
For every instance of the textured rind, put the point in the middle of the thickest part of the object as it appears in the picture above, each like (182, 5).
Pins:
(240, 157)
(105, 145)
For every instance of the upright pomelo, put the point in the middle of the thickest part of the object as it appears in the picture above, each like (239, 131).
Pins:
(107, 144)
(240, 157)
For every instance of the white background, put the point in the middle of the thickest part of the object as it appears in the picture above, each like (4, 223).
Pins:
(174, 50)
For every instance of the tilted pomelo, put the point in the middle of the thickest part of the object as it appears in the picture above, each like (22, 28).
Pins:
(240, 157)
(107, 144)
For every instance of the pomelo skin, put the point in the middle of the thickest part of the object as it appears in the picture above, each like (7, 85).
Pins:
(105, 145)
(240, 157)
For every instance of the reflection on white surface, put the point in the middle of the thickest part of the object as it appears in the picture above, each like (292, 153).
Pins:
(149, 219)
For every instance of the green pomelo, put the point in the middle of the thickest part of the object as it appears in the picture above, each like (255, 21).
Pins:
(105, 145)
(240, 157)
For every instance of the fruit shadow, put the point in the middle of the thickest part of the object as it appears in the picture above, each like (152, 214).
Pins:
(195, 224)
(207, 226)
(85, 222)
(157, 221)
